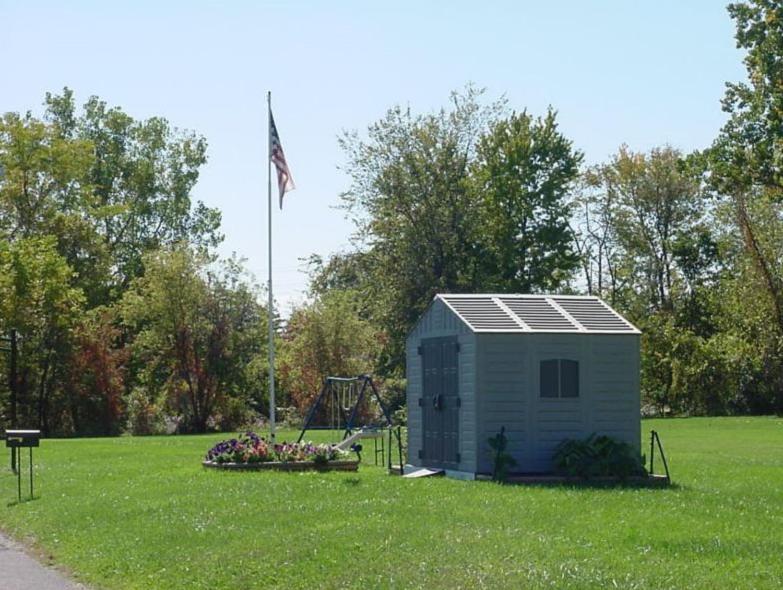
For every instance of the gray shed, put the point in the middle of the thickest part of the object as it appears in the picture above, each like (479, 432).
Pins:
(547, 367)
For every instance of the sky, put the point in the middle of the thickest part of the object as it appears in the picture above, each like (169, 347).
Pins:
(618, 72)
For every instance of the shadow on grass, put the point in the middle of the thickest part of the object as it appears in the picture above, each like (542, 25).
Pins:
(590, 485)
(22, 501)
(595, 485)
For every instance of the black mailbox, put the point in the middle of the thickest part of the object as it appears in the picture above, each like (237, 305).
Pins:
(19, 439)
(16, 439)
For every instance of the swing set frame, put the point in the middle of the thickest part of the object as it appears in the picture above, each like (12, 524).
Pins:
(330, 391)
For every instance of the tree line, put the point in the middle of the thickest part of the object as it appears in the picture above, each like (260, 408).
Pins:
(128, 321)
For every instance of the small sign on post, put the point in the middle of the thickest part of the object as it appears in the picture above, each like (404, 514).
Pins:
(19, 439)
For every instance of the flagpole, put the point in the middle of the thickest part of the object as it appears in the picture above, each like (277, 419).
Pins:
(269, 306)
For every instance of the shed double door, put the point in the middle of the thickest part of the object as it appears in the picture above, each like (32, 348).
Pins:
(440, 402)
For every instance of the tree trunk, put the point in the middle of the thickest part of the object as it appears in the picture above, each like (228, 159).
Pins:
(762, 265)
(42, 405)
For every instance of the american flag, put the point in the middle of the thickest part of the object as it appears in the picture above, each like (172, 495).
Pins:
(284, 181)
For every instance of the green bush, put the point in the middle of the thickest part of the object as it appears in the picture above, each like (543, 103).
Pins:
(598, 456)
(233, 413)
(145, 413)
(502, 461)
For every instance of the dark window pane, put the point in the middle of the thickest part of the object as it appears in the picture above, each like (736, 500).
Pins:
(569, 378)
(549, 378)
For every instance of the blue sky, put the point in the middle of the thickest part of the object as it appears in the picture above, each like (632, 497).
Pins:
(640, 73)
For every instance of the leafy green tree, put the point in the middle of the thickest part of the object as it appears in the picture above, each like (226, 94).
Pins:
(416, 214)
(99, 191)
(142, 174)
(326, 337)
(524, 172)
(748, 153)
(747, 157)
(596, 242)
(43, 175)
(45, 190)
(340, 272)
(744, 170)
(654, 203)
(198, 333)
(745, 301)
(38, 299)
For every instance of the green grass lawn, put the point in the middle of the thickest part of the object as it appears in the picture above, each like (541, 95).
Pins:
(143, 513)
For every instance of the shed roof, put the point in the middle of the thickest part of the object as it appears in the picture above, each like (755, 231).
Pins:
(537, 313)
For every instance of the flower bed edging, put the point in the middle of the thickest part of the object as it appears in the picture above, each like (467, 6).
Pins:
(285, 466)
(250, 451)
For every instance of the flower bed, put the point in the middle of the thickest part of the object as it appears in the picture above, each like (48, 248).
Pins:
(252, 452)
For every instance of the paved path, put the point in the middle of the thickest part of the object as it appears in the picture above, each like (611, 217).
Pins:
(19, 571)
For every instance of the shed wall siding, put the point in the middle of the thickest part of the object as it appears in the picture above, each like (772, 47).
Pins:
(615, 409)
(439, 321)
(508, 393)
(501, 391)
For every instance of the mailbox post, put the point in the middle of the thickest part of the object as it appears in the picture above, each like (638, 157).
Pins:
(17, 440)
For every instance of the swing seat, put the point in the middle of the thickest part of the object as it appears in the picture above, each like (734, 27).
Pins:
(359, 434)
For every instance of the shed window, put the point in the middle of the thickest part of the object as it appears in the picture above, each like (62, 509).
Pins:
(550, 386)
(559, 378)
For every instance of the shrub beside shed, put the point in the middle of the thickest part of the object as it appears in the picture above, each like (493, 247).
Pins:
(545, 367)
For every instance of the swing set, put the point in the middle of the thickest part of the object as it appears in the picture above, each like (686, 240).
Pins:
(340, 401)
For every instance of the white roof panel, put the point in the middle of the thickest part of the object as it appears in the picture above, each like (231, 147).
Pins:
(537, 313)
